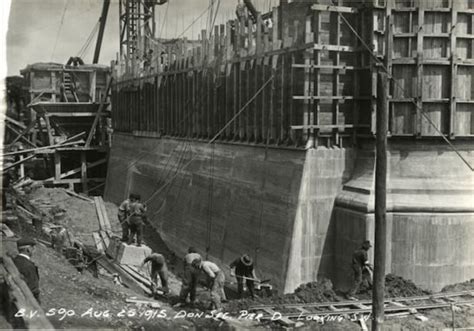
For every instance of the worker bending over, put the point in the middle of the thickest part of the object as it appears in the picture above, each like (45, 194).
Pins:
(137, 218)
(242, 268)
(215, 278)
(361, 268)
(158, 268)
(190, 277)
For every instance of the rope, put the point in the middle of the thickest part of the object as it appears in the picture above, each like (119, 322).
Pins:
(210, 197)
(389, 75)
(59, 29)
(260, 222)
(88, 41)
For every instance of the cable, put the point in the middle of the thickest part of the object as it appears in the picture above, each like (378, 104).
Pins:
(389, 75)
(89, 39)
(217, 134)
(164, 19)
(59, 29)
(194, 21)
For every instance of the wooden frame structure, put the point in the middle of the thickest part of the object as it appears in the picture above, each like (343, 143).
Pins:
(67, 102)
(323, 79)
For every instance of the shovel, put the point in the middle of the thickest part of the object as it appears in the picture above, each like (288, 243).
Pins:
(260, 283)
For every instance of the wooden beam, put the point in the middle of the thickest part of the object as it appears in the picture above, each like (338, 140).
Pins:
(57, 166)
(11, 120)
(84, 172)
(20, 135)
(338, 9)
(35, 150)
(99, 112)
(127, 280)
(18, 162)
(76, 170)
(23, 297)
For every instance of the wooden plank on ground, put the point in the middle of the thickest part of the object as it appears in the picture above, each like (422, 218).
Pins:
(99, 213)
(105, 238)
(79, 196)
(23, 297)
(107, 226)
(127, 280)
(137, 274)
(98, 242)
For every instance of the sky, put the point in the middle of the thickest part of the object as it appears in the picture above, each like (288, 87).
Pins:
(54, 30)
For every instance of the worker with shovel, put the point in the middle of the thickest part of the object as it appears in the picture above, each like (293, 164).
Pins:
(158, 268)
(242, 269)
(362, 269)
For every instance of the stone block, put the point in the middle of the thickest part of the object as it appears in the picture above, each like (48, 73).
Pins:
(131, 254)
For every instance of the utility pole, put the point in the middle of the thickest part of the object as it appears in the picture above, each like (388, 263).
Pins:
(380, 203)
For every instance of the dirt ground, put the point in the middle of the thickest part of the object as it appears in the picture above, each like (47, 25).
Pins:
(78, 300)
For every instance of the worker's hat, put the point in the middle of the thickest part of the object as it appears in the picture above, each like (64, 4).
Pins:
(196, 263)
(366, 244)
(246, 260)
(22, 242)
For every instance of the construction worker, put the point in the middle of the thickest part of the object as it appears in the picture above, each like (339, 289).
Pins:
(158, 268)
(242, 268)
(215, 278)
(26, 267)
(58, 238)
(361, 269)
(190, 277)
(123, 214)
(136, 219)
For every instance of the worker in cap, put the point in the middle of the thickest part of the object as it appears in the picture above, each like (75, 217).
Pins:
(242, 268)
(137, 218)
(190, 277)
(58, 238)
(361, 268)
(158, 268)
(216, 280)
(123, 216)
(27, 269)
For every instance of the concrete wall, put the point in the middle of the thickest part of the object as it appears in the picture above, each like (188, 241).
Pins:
(430, 214)
(312, 247)
(274, 204)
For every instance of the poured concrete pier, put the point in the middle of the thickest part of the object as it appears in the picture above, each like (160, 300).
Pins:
(299, 213)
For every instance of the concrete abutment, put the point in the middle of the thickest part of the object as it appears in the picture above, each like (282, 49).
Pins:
(301, 213)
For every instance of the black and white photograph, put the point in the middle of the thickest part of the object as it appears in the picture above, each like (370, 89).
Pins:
(237, 164)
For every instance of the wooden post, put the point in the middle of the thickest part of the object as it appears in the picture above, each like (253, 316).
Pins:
(57, 166)
(84, 172)
(22, 165)
(380, 203)
(48, 130)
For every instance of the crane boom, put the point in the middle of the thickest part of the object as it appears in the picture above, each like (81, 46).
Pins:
(100, 36)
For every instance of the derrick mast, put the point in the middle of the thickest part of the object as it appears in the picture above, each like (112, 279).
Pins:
(137, 32)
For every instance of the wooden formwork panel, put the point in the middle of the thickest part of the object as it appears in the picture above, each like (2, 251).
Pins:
(431, 61)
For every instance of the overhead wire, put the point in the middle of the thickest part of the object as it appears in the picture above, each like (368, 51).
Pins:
(89, 39)
(165, 16)
(402, 89)
(59, 28)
